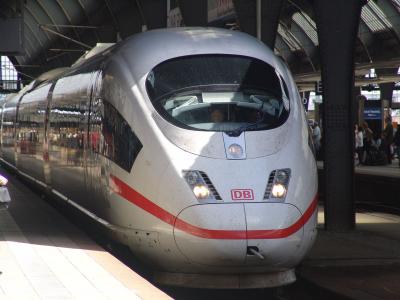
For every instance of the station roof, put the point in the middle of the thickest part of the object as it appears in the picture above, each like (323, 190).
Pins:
(58, 32)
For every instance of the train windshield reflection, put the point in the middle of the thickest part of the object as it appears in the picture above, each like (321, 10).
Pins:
(218, 93)
(225, 111)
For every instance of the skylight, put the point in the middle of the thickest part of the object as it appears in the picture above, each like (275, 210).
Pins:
(8, 75)
(375, 8)
(308, 26)
(374, 18)
(289, 39)
(396, 4)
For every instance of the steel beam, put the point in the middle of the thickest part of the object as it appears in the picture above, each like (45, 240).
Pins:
(45, 28)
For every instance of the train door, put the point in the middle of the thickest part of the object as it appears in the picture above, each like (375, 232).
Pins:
(31, 131)
(66, 136)
(8, 130)
(112, 144)
(97, 166)
(1, 129)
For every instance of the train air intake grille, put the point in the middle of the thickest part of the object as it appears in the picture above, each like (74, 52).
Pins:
(211, 187)
(269, 185)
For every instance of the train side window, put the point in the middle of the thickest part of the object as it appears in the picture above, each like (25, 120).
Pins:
(118, 142)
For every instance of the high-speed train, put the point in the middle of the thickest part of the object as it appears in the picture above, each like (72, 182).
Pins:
(189, 145)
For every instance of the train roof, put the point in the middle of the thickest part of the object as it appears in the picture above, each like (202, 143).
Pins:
(146, 50)
(142, 52)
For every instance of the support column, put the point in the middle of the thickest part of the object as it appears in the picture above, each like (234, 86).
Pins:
(194, 13)
(154, 13)
(386, 100)
(246, 12)
(337, 26)
(360, 107)
(270, 13)
(387, 92)
(358, 111)
(306, 99)
(317, 113)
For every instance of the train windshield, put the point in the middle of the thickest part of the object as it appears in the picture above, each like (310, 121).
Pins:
(219, 93)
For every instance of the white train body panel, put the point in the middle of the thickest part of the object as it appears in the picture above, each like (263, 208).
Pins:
(145, 200)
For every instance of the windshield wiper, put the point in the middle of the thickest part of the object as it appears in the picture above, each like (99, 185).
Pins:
(238, 131)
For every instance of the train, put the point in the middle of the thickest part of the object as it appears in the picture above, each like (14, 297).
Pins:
(188, 145)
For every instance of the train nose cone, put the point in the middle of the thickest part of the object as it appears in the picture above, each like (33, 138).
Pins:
(212, 234)
(276, 231)
(221, 235)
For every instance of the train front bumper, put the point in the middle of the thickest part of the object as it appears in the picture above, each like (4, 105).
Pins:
(221, 236)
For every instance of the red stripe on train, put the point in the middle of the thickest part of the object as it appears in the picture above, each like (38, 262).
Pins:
(139, 200)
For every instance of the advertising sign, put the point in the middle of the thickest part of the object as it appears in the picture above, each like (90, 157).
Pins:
(372, 113)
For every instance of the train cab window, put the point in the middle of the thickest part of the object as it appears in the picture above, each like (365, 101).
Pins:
(219, 93)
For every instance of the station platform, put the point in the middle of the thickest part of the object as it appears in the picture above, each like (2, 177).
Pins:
(390, 170)
(44, 256)
(361, 264)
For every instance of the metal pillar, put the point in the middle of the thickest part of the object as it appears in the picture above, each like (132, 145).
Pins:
(387, 92)
(357, 109)
(270, 13)
(153, 14)
(337, 26)
(386, 100)
(269, 10)
(194, 13)
(359, 106)
(246, 15)
(306, 99)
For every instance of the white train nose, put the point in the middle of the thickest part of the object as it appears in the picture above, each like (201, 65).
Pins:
(198, 239)
(276, 231)
(247, 234)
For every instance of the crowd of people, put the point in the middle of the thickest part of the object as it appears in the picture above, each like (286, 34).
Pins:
(371, 148)
(376, 148)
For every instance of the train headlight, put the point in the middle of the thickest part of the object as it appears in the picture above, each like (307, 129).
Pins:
(3, 180)
(201, 191)
(277, 185)
(192, 177)
(201, 186)
(278, 190)
(235, 150)
(282, 176)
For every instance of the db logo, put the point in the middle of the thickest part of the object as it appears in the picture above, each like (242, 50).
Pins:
(242, 194)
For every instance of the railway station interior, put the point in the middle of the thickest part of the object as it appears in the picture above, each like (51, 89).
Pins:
(344, 60)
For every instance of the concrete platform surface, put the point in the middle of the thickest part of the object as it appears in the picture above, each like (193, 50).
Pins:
(390, 170)
(361, 264)
(44, 256)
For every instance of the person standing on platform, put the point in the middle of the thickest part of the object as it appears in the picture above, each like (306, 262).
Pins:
(396, 142)
(388, 135)
(368, 137)
(316, 136)
(359, 143)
